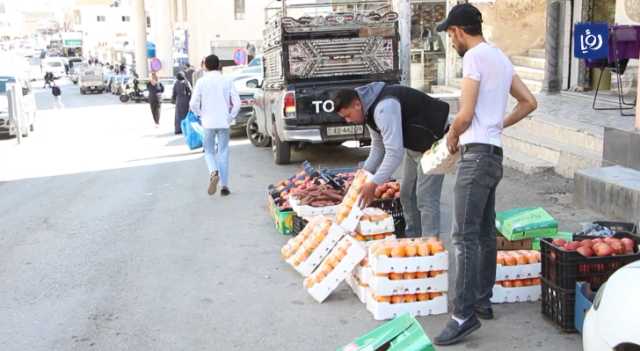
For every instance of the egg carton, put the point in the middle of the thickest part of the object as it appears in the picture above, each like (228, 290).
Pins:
(438, 159)
(519, 294)
(378, 227)
(353, 219)
(363, 274)
(355, 254)
(306, 211)
(370, 243)
(361, 291)
(385, 310)
(320, 252)
(523, 271)
(383, 286)
(384, 264)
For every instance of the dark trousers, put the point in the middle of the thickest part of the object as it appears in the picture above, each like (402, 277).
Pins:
(155, 111)
(474, 230)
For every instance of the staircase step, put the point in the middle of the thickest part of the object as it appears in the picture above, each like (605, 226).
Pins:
(612, 191)
(566, 158)
(537, 53)
(527, 61)
(530, 73)
(525, 163)
(533, 85)
(573, 133)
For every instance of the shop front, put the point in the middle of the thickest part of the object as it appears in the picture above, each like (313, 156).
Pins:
(427, 45)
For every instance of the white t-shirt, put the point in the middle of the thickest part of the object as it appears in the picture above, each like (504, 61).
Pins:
(491, 67)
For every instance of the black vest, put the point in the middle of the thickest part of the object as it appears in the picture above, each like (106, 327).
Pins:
(423, 117)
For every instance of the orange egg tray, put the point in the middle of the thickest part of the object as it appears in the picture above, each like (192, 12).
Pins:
(518, 283)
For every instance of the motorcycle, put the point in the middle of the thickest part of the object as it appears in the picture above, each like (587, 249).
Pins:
(137, 95)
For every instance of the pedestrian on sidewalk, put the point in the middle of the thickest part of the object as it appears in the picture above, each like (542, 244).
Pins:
(402, 122)
(155, 89)
(217, 103)
(488, 79)
(48, 78)
(57, 95)
(181, 97)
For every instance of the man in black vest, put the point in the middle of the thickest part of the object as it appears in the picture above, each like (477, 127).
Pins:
(400, 118)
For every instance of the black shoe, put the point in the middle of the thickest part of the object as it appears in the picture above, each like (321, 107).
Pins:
(454, 333)
(225, 191)
(485, 313)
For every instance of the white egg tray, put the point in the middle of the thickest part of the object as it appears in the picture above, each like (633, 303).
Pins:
(353, 219)
(520, 294)
(306, 211)
(438, 159)
(363, 274)
(321, 251)
(378, 227)
(385, 310)
(383, 286)
(355, 254)
(372, 242)
(523, 271)
(384, 264)
(361, 291)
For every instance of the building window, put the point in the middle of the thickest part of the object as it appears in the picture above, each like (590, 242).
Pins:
(148, 22)
(126, 18)
(101, 18)
(238, 9)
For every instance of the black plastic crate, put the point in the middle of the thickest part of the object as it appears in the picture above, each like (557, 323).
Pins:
(621, 227)
(298, 224)
(558, 305)
(394, 208)
(564, 268)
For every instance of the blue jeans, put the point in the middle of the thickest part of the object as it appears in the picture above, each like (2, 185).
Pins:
(420, 197)
(216, 152)
(474, 231)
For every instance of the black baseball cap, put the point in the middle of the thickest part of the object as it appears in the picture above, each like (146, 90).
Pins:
(461, 15)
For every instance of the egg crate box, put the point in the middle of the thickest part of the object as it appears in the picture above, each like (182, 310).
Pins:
(438, 159)
(321, 251)
(370, 243)
(350, 223)
(383, 264)
(383, 286)
(520, 294)
(355, 254)
(306, 211)
(363, 274)
(367, 228)
(385, 310)
(522, 271)
(361, 291)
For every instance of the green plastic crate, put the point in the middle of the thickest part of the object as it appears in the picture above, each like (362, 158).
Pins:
(526, 223)
(567, 236)
(283, 220)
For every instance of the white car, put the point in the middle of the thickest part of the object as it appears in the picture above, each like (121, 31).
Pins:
(28, 116)
(54, 65)
(613, 321)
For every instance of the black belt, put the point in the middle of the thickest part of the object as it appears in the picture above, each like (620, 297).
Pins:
(481, 148)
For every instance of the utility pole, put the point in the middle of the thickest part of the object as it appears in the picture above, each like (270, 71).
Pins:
(140, 30)
(163, 35)
(403, 7)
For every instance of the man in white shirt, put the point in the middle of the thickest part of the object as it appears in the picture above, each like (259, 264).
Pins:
(488, 79)
(217, 103)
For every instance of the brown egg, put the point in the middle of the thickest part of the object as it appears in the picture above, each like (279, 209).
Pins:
(507, 284)
(397, 299)
(340, 253)
(320, 276)
(510, 260)
(518, 283)
(412, 249)
(423, 296)
(434, 295)
(434, 274)
(388, 248)
(409, 298)
(398, 250)
(378, 237)
(535, 281)
(422, 275)
(309, 282)
(423, 248)
(360, 237)
(396, 276)
(409, 275)
(436, 248)
(383, 299)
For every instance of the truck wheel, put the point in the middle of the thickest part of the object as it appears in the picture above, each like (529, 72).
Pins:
(281, 150)
(124, 98)
(257, 139)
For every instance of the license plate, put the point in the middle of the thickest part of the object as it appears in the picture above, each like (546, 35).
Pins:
(345, 130)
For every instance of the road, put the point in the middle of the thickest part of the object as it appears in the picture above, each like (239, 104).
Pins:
(109, 241)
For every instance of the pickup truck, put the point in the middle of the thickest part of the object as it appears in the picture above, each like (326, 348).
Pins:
(91, 80)
(306, 58)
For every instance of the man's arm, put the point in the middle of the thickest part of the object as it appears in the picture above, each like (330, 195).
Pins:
(468, 99)
(235, 101)
(376, 153)
(526, 102)
(196, 98)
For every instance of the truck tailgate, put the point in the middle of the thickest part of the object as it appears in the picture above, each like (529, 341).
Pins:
(314, 105)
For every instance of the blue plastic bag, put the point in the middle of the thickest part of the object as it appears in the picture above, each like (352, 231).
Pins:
(192, 136)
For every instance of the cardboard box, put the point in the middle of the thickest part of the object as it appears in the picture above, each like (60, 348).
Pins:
(522, 271)
(383, 286)
(321, 251)
(358, 289)
(306, 211)
(503, 244)
(524, 223)
(383, 264)
(385, 310)
(521, 294)
(401, 334)
(438, 159)
(355, 254)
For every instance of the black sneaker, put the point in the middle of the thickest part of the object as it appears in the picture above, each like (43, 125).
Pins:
(225, 191)
(485, 313)
(453, 333)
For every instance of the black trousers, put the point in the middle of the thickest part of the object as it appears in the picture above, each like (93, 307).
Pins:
(155, 111)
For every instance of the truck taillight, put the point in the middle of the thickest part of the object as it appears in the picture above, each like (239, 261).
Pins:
(290, 105)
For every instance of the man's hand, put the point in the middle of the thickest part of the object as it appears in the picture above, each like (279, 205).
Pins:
(452, 142)
(368, 194)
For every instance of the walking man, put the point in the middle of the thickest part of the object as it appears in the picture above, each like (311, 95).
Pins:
(217, 103)
(57, 95)
(488, 79)
(400, 120)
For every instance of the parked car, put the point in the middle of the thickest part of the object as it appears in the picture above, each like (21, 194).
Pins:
(28, 117)
(54, 65)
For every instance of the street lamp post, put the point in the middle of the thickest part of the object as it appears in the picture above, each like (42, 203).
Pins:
(140, 30)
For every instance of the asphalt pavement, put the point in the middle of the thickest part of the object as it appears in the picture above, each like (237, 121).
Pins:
(109, 241)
